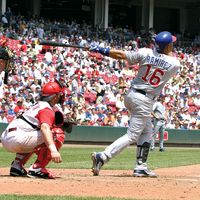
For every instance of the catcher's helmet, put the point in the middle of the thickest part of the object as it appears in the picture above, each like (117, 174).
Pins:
(164, 38)
(51, 88)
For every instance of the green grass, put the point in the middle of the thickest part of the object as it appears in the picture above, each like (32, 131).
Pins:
(79, 157)
(35, 197)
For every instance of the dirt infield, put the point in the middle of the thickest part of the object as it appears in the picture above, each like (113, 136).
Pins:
(181, 183)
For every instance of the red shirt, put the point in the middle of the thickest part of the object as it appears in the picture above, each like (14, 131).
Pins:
(19, 109)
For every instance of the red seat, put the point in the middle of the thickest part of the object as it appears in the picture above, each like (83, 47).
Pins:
(89, 97)
(114, 79)
(89, 74)
(10, 118)
(106, 78)
(192, 109)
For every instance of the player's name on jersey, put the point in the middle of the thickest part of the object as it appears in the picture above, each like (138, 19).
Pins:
(156, 61)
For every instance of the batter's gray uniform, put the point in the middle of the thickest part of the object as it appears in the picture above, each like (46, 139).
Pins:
(154, 72)
(158, 124)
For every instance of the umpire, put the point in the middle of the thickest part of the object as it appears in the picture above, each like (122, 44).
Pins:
(5, 61)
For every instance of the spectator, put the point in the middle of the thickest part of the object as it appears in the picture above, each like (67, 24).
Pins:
(19, 108)
(3, 118)
(95, 73)
(118, 122)
(109, 118)
(4, 21)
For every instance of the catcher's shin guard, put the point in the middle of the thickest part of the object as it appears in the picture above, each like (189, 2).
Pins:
(44, 156)
(42, 151)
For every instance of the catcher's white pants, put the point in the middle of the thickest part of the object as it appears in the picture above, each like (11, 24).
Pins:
(140, 125)
(20, 137)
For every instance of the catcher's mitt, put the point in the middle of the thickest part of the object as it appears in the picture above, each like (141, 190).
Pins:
(59, 118)
(68, 125)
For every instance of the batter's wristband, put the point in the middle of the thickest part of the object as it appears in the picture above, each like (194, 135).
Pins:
(104, 51)
(52, 148)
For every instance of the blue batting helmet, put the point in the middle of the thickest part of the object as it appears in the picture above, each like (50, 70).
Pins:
(164, 38)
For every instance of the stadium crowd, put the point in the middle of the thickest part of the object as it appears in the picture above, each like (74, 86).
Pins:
(94, 93)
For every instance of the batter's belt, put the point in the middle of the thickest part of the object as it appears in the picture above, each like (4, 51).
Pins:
(145, 94)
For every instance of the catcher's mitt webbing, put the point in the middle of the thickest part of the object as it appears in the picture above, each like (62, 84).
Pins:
(68, 125)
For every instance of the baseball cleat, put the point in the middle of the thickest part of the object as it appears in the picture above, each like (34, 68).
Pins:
(16, 170)
(152, 149)
(97, 163)
(144, 173)
(40, 173)
(161, 149)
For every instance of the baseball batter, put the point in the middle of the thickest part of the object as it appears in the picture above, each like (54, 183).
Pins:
(156, 68)
(159, 120)
(37, 130)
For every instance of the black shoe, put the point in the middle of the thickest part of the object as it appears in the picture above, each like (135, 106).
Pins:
(152, 149)
(18, 172)
(161, 149)
(40, 173)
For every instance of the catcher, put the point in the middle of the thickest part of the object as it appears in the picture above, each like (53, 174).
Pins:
(39, 130)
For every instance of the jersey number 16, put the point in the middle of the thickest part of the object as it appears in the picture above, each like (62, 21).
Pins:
(155, 77)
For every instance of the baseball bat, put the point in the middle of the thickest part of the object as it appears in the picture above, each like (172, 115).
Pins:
(59, 44)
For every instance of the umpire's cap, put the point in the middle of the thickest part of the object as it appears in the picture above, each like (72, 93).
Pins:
(164, 38)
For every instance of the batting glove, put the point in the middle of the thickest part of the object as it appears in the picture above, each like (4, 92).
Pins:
(101, 50)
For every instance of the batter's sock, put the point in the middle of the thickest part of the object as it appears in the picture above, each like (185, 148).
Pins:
(104, 157)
